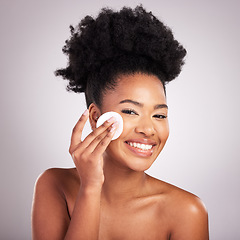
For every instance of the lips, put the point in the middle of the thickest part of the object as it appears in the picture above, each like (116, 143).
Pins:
(141, 147)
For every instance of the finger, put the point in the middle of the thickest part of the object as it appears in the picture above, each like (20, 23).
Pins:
(103, 144)
(96, 148)
(82, 145)
(98, 133)
(78, 129)
(108, 134)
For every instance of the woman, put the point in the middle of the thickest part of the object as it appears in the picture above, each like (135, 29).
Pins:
(121, 61)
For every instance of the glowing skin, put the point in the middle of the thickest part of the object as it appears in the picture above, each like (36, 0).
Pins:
(108, 195)
(140, 100)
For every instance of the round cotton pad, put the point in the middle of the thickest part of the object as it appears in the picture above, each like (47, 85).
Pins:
(118, 118)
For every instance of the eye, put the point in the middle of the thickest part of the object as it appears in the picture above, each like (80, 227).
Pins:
(159, 116)
(129, 111)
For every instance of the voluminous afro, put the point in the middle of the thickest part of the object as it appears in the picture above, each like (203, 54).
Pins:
(125, 42)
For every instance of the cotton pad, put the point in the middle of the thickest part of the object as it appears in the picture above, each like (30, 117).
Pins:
(118, 118)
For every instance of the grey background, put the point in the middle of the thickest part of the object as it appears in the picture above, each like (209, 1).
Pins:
(37, 114)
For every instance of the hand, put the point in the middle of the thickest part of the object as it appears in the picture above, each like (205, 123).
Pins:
(87, 154)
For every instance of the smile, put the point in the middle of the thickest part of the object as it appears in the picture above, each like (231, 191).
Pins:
(140, 145)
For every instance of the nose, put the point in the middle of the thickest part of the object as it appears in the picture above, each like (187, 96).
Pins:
(145, 126)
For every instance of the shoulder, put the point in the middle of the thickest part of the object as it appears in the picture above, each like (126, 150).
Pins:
(56, 177)
(187, 205)
(57, 173)
(190, 217)
(186, 212)
(55, 183)
(175, 196)
(49, 206)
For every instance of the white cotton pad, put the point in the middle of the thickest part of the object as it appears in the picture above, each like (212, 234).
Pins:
(118, 118)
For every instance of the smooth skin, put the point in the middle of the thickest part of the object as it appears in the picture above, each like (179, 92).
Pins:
(108, 195)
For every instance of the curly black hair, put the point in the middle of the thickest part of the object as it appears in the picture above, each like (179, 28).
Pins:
(116, 43)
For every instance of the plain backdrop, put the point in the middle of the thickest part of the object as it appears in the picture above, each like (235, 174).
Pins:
(38, 114)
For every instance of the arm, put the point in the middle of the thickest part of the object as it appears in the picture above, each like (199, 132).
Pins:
(191, 221)
(50, 218)
(86, 215)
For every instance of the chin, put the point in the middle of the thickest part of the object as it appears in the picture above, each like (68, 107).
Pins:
(140, 168)
(140, 164)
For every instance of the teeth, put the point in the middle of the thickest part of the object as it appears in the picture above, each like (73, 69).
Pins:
(140, 146)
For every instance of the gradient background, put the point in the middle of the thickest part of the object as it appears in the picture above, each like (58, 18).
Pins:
(38, 114)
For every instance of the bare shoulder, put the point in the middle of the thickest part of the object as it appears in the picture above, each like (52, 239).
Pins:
(182, 199)
(50, 214)
(58, 183)
(185, 211)
(57, 176)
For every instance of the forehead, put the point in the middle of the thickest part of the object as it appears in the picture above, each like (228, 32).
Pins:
(144, 88)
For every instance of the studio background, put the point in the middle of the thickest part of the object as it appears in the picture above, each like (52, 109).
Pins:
(38, 114)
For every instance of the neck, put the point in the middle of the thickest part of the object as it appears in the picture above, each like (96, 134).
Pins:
(121, 184)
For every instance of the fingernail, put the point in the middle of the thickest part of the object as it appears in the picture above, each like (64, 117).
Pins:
(114, 127)
(111, 119)
(85, 112)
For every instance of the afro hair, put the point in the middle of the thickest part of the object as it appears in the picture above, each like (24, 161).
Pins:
(114, 43)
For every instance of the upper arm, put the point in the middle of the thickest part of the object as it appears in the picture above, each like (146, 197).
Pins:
(191, 221)
(50, 218)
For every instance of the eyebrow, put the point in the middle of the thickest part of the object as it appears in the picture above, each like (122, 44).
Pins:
(158, 106)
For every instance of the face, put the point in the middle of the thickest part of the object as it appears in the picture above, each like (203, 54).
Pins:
(140, 100)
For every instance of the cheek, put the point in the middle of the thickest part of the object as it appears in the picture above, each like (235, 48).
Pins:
(163, 131)
(128, 126)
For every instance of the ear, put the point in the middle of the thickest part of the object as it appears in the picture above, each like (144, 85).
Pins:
(94, 114)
